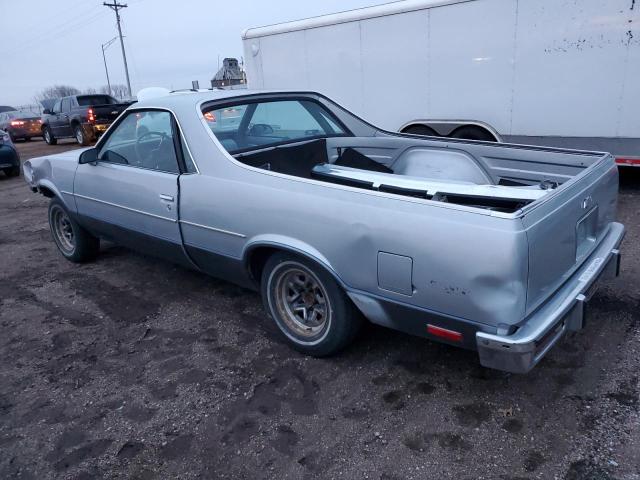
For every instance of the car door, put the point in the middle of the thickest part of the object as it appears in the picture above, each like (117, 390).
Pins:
(53, 118)
(131, 193)
(64, 122)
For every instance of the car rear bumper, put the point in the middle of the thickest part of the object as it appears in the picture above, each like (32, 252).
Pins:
(96, 128)
(23, 132)
(563, 312)
(8, 157)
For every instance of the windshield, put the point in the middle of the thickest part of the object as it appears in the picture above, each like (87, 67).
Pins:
(88, 100)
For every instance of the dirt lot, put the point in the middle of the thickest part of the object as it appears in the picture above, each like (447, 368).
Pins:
(131, 367)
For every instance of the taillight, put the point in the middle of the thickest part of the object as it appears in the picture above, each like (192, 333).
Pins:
(450, 335)
(17, 123)
(90, 115)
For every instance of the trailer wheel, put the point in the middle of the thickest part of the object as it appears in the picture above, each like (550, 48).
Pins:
(473, 133)
(420, 130)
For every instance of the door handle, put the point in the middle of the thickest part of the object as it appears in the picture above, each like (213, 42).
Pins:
(168, 198)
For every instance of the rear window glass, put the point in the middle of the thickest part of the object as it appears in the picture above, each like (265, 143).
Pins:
(258, 125)
(88, 100)
(24, 115)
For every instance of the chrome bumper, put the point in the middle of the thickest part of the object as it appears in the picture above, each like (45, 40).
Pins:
(564, 311)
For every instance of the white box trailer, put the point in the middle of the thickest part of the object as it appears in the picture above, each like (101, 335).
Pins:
(562, 73)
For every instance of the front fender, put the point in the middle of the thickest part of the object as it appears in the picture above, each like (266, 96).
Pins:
(39, 174)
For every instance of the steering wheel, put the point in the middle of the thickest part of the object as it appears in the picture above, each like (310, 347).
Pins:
(148, 153)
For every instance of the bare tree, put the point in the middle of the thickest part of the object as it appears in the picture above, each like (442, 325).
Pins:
(90, 91)
(56, 91)
(118, 90)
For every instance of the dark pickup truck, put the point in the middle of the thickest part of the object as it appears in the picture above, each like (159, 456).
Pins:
(84, 117)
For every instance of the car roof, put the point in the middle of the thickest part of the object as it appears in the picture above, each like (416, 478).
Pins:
(184, 99)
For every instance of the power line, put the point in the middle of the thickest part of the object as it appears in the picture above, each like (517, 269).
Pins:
(115, 6)
(39, 41)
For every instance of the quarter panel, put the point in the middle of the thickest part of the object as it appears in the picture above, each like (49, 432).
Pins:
(468, 265)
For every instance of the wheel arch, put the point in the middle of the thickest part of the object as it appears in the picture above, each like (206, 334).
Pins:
(49, 190)
(445, 128)
(257, 252)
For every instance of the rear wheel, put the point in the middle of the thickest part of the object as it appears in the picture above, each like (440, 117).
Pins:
(27, 139)
(473, 133)
(48, 136)
(308, 306)
(73, 241)
(81, 136)
(421, 130)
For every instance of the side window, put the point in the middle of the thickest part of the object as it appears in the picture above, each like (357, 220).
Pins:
(66, 105)
(143, 139)
(56, 106)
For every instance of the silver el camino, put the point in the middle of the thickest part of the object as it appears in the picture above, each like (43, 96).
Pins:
(490, 247)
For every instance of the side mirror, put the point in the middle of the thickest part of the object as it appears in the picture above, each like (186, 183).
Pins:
(88, 156)
(47, 111)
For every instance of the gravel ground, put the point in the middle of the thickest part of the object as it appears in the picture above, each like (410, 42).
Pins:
(130, 367)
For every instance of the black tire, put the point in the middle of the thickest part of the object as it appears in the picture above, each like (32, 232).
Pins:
(12, 171)
(73, 241)
(473, 133)
(341, 322)
(47, 134)
(421, 130)
(27, 139)
(81, 136)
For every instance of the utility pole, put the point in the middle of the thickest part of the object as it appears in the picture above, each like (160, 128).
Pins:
(105, 46)
(115, 6)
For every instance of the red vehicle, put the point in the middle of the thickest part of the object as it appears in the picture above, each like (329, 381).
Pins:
(20, 125)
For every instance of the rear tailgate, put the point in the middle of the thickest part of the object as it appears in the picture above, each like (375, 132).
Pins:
(563, 230)
(107, 113)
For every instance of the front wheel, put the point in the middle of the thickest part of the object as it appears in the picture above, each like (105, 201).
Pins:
(12, 171)
(73, 241)
(48, 136)
(308, 305)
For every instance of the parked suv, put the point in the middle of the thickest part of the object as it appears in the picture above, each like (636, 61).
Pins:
(84, 117)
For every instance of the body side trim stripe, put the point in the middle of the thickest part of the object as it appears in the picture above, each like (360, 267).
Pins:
(219, 230)
(173, 220)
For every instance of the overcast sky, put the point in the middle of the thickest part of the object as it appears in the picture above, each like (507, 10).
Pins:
(168, 42)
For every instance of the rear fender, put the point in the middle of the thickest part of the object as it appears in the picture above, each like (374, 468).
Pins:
(289, 244)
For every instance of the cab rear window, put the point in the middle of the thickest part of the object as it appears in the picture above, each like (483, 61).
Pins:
(247, 126)
(88, 100)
